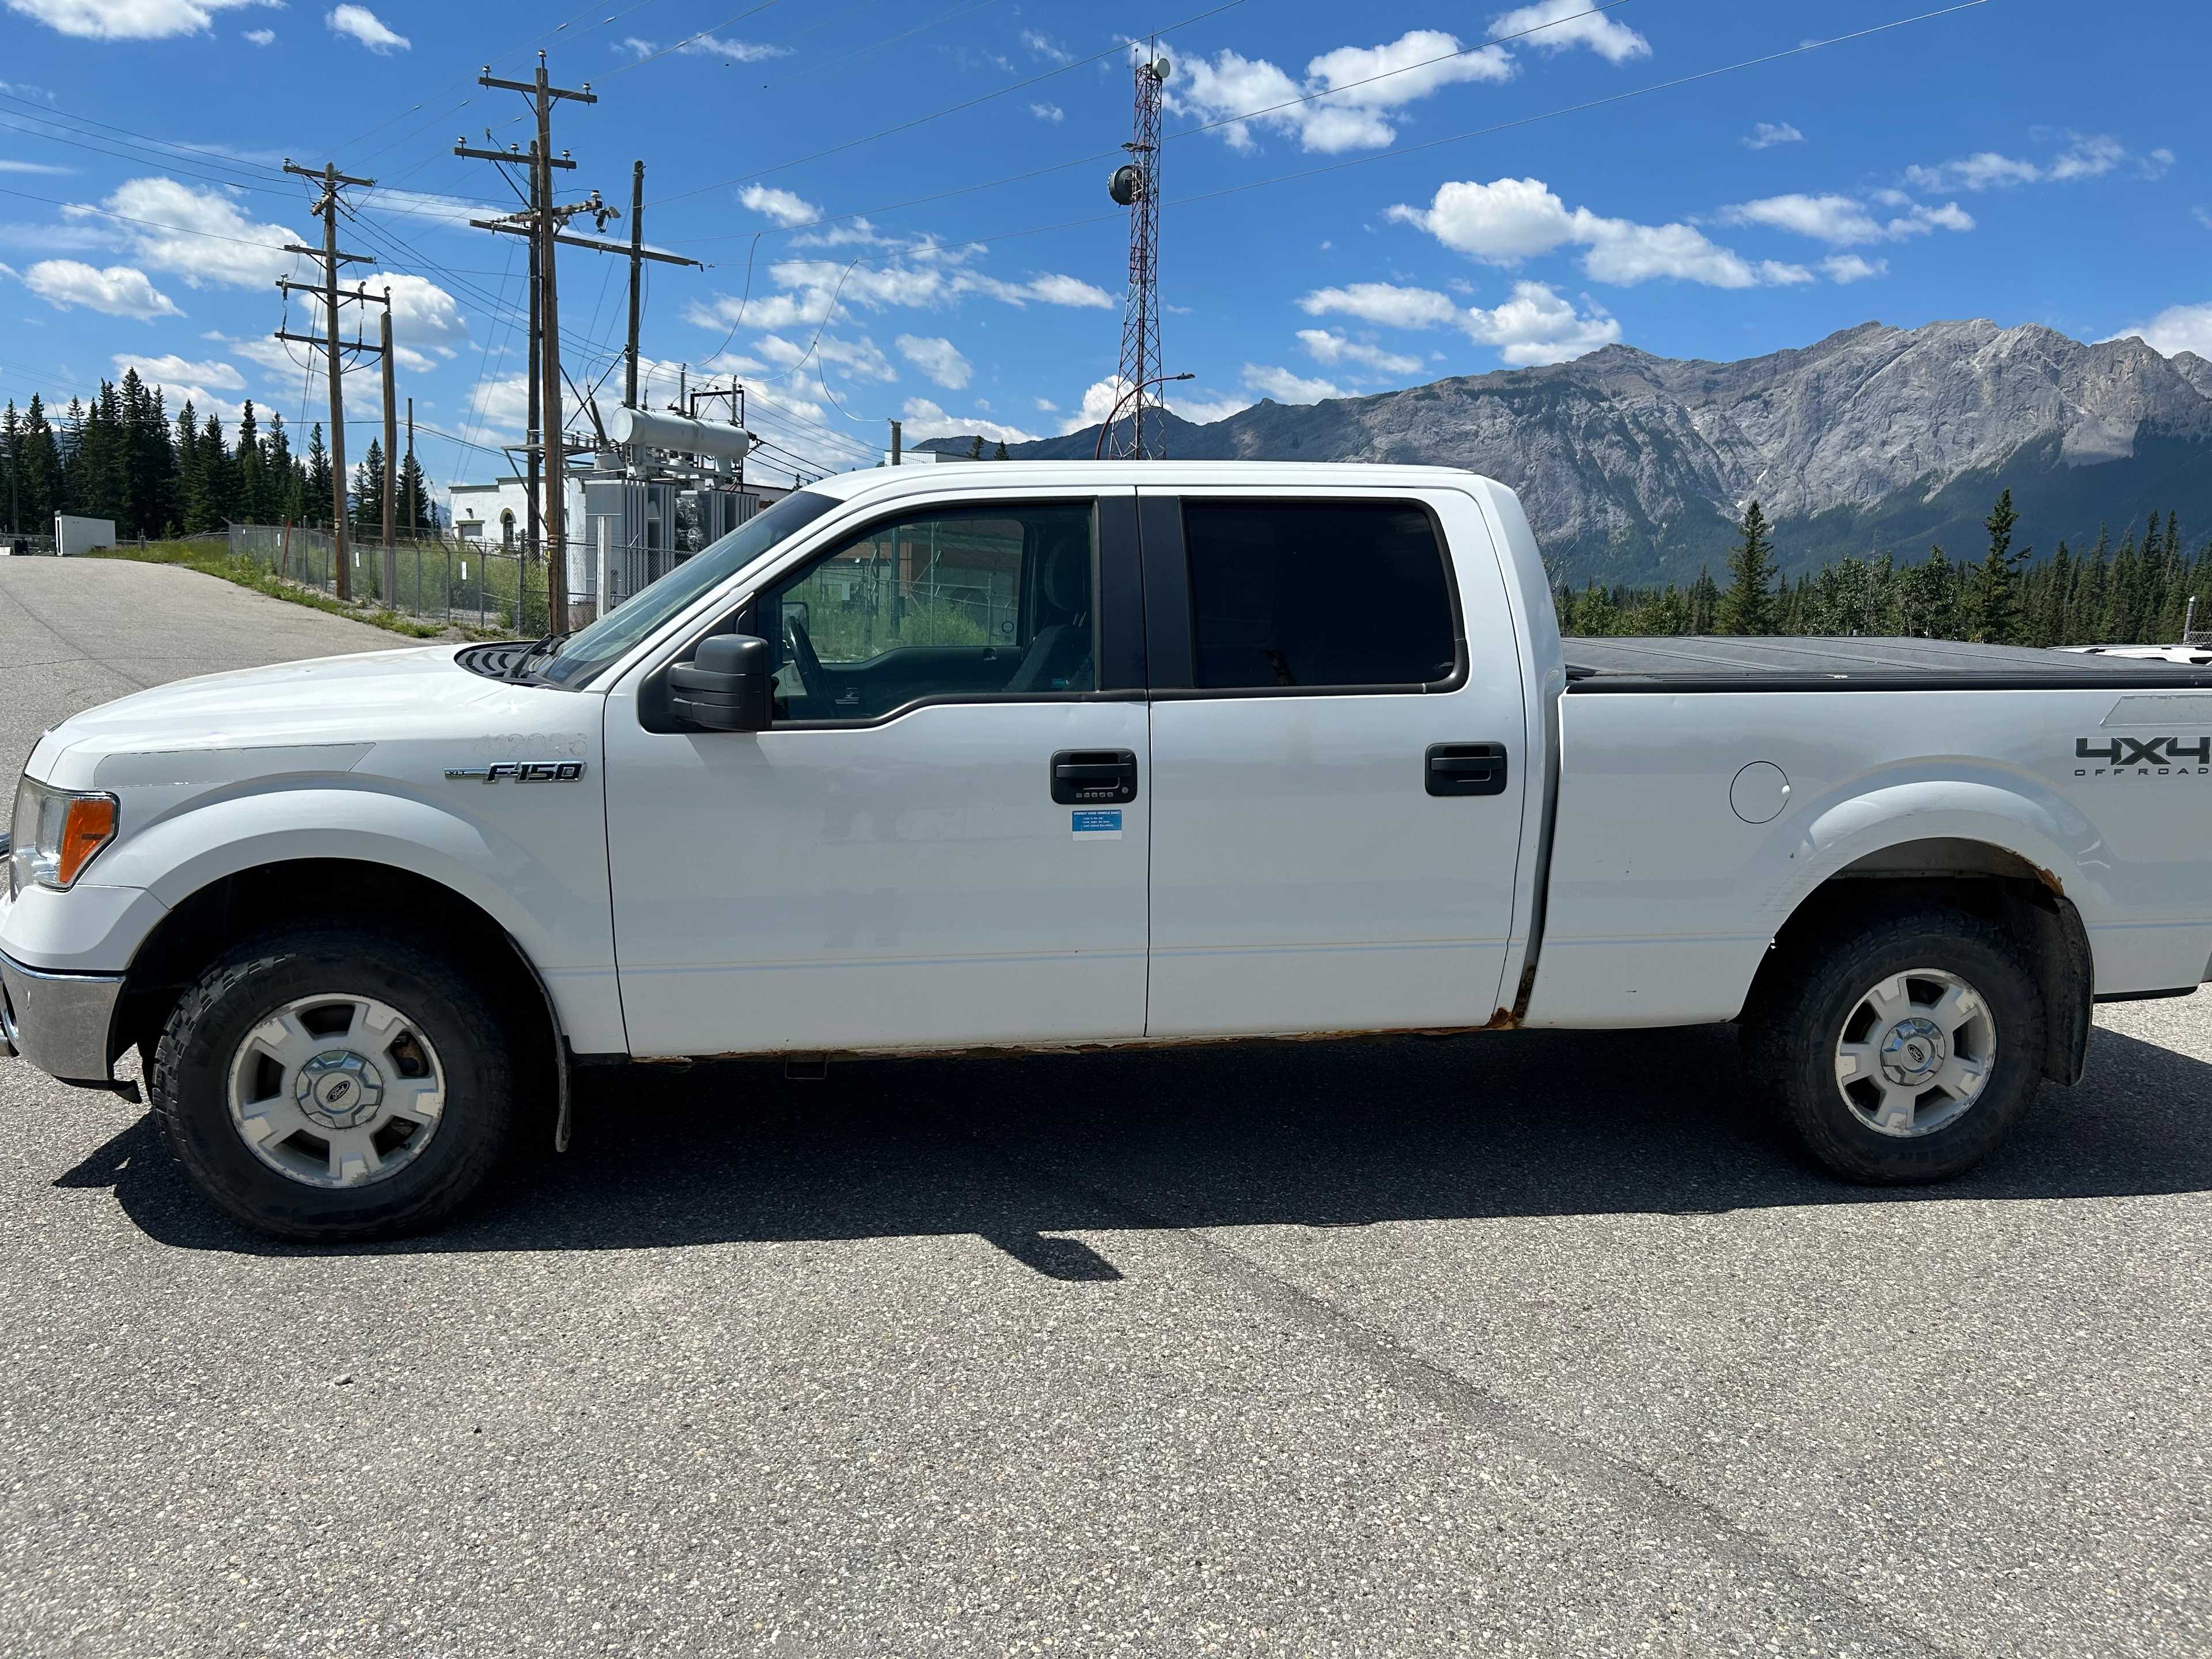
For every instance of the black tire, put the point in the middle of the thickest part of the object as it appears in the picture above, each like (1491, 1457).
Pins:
(1791, 1031)
(471, 1032)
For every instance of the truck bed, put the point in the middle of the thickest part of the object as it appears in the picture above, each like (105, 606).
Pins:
(1707, 663)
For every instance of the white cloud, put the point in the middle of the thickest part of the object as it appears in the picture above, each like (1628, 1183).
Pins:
(1767, 134)
(201, 234)
(360, 23)
(1511, 220)
(1325, 346)
(1047, 406)
(738, 52)
(127, 20)
(501, 405)
(1286, 387)
(426, 321)
(1052, 113)
(44, 168)
(1203, 411)
(204, 402)
(1844, 222)
(1986, 170)
(169, 369)
(261, 37)
(1538, 325)
(1053, 288)
(2089, 158)
(1850, 268)
(117, 291)
(1358, 117)
(1385, 303)
(781, 205)
(861, 359)
(2176, 329)
(1565, 24)
(1100, 398)
(811, 291)
(924, 420)
(1837, 219)
(1043, 46)
(1949, 216)
(702, 45)
(937, 357)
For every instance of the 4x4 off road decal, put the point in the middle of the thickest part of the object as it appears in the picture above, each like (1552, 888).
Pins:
(2144, 757)
(521, 771)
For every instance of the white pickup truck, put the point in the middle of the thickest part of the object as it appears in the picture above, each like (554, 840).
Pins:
(1048, 755)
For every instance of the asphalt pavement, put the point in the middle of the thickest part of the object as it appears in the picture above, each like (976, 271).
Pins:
(1541, 1344)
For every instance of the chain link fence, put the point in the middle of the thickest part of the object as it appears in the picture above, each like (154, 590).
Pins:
(439, 580)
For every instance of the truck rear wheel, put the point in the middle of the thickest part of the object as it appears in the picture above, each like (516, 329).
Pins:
(1903, 1048)
(332, 1086)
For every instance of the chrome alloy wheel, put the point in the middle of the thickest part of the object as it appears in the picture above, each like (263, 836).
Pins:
(1916, 1053)
(336, 1091)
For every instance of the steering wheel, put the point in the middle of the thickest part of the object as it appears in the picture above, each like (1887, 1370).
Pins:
(804, 658)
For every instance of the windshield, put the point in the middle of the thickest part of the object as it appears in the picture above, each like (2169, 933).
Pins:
(585, 653)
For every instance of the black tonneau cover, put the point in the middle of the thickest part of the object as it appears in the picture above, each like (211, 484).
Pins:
(1707, 662)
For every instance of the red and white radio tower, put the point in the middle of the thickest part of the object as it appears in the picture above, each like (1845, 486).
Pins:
(1136, 185)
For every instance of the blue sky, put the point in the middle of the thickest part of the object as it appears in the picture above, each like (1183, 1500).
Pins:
(2016, 160)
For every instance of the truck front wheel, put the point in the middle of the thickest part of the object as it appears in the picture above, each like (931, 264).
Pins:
(1903, 1048)
(330, 1086)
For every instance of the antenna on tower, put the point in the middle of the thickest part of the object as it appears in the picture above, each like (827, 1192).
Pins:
(1136, 185)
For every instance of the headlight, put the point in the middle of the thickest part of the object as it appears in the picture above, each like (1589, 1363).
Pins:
(55, 834)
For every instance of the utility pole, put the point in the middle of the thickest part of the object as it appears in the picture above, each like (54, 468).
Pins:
(327, 210)
(545, 224)
(636, 268)
(391, 465)
(896, 434)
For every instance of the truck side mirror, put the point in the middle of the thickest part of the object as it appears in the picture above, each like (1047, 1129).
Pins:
(727, 686)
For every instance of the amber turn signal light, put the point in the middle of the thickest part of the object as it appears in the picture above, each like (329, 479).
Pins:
(89, 826)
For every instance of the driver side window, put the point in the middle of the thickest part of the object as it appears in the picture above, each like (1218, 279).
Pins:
(967, 602)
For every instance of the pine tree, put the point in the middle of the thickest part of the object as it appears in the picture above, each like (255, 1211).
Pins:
(1703, 603)
(253, 469)
(976, 448)
(1748, 606)
(1993, 598)
(40, 467)
(287, 490)
(222, 474)
(365, 505)
(316, 509)
(69, 440)
(999, 455)
(12, 467)
(415, 497)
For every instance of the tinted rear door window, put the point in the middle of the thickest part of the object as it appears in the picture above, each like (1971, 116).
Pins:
(1316, 595)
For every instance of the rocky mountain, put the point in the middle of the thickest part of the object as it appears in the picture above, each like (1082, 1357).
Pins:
(1634, 467)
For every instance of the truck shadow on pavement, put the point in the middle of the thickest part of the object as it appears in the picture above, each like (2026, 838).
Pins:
(1019, 1151)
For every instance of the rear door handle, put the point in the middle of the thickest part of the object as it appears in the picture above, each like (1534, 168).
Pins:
(1094, 777)
(1465, 769)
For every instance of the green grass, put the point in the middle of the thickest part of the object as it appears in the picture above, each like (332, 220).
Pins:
(212, 557)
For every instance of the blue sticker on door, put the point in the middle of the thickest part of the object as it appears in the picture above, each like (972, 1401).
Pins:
(1096, 825)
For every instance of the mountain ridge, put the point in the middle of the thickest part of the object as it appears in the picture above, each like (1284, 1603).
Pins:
(1634, 467)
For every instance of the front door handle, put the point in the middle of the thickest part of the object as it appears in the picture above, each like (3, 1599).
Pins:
(1465, 769)
(1094, 777)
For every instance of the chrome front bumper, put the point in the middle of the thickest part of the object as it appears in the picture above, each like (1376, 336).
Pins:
(59, 1023)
